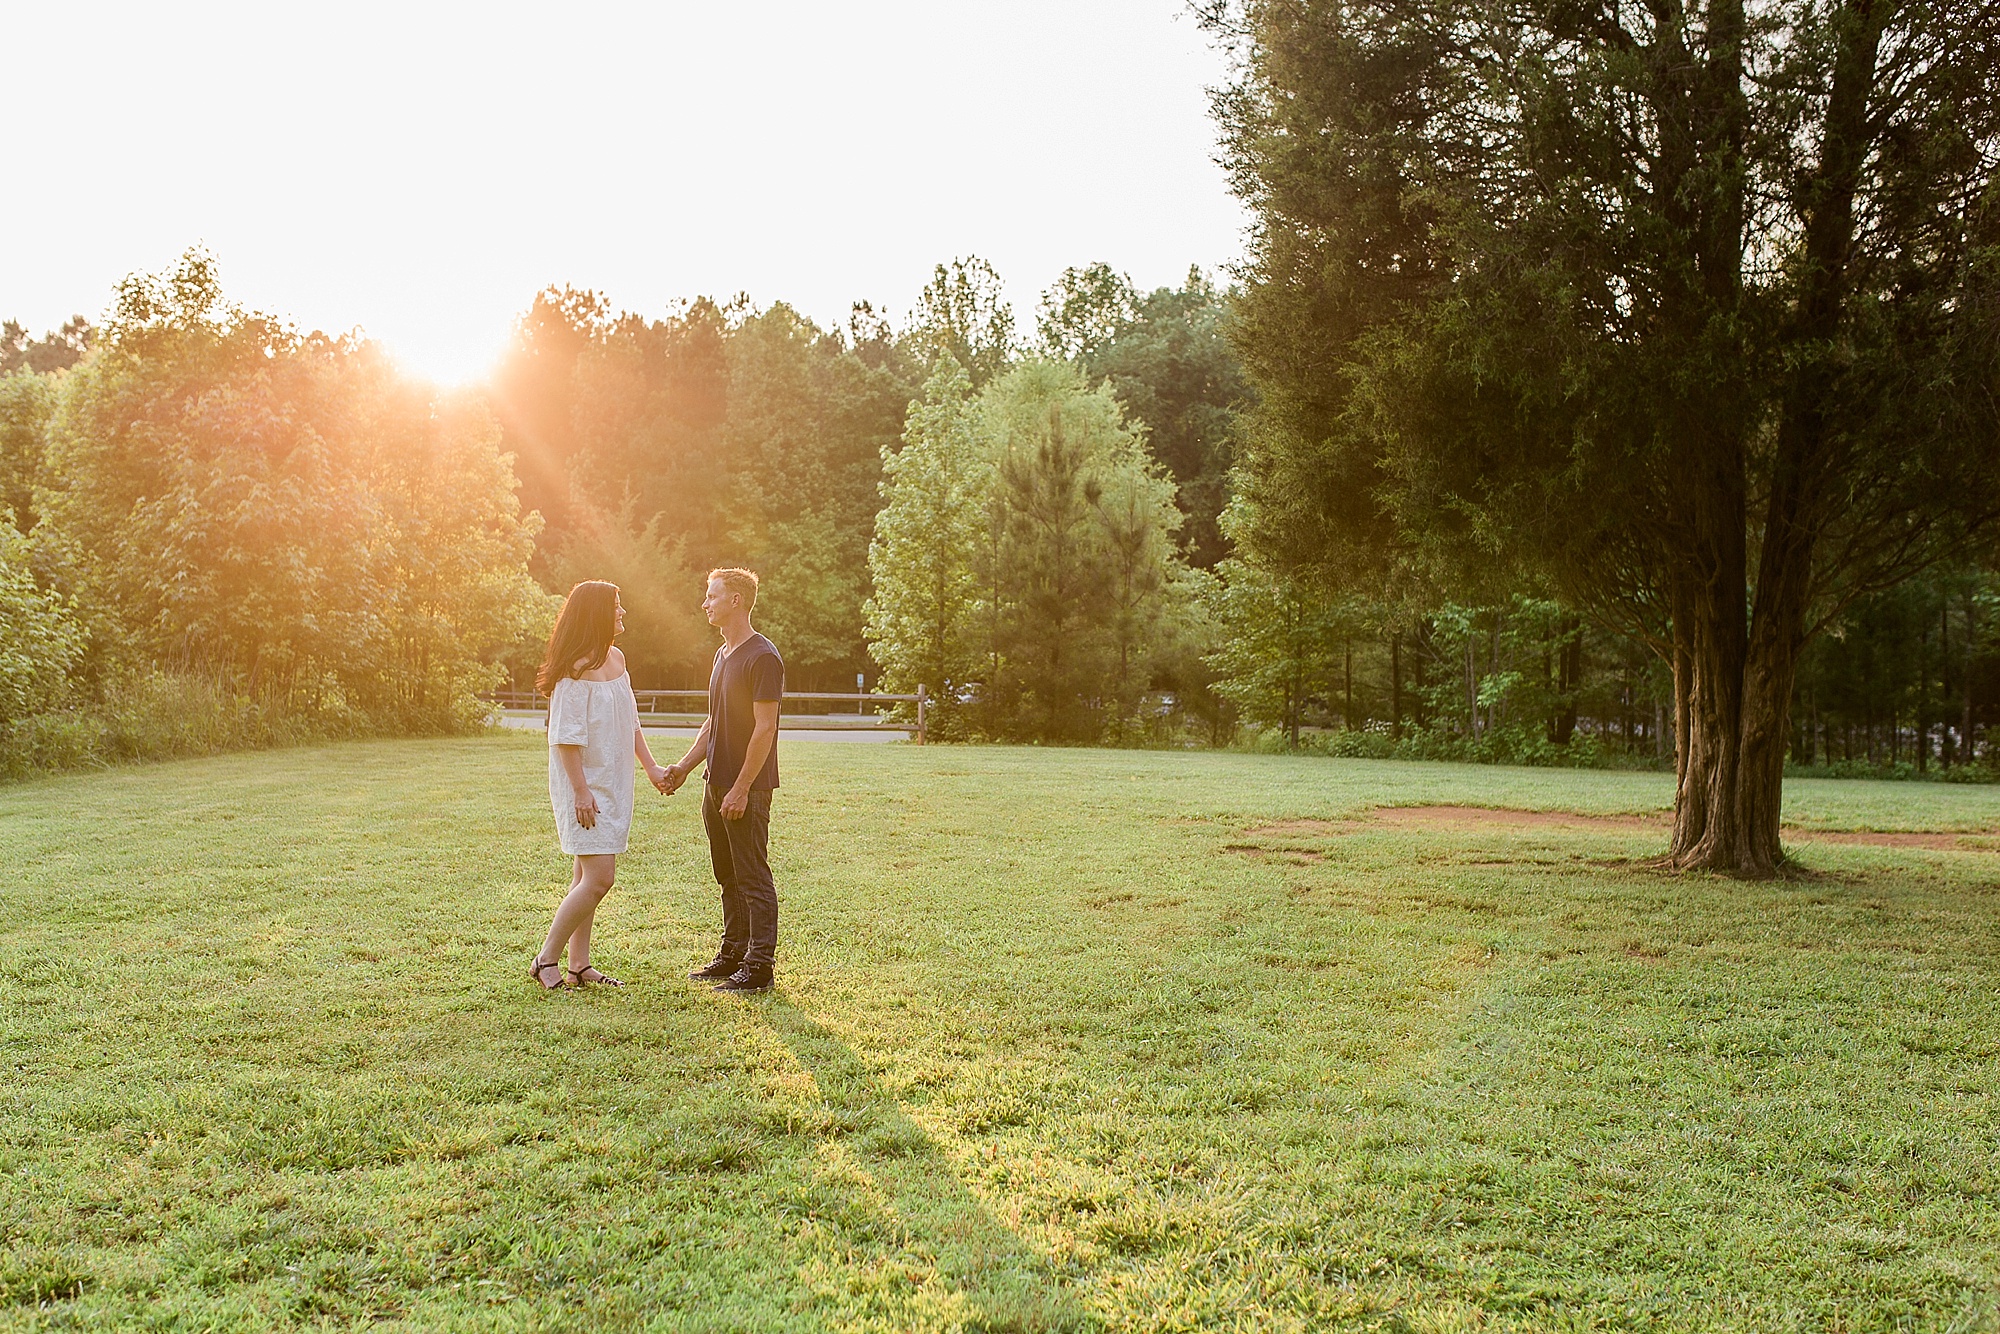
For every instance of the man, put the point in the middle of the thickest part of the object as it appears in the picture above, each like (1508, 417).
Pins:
(739, 743)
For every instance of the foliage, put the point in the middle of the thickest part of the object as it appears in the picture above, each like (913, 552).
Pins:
(1084, 310)
(809, 422)
(51, 352)
(963, 312)
(1907, 676)
(656, 583)
(650, 403)
(226, 497)
(1275, 644)
(40, 638)
(734, 437)
(923, 619)
(1522, 681)
(1168, 360)
(1685, 311)
(1024, 560)
(27, 402)
(537, 398)
(1174, 371)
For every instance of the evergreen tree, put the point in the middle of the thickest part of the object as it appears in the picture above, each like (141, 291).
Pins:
(1686, 312)
(923, 615)
(1169, 361)
(1085, 585)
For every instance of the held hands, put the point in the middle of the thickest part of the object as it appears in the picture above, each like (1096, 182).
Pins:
(670, 779)
(660, 778)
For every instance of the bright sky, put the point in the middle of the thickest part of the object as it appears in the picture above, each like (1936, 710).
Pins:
(421, 169)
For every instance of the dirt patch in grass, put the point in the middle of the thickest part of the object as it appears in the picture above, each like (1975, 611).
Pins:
(1488, 817)
(1456, 817)
(1260, 851)
(1887, 839)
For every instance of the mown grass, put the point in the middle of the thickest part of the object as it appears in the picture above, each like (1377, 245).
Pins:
(1047, 1056)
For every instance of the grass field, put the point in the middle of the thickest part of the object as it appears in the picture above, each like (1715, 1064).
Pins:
(1058, 1046)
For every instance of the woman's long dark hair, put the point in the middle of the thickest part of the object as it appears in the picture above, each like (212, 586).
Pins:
(583, 633)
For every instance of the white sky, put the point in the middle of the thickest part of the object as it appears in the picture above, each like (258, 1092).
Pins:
(421, 169)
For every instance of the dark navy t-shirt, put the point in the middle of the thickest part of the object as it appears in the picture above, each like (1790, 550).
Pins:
(753, 672)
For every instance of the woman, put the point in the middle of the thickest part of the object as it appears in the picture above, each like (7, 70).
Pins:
(593, 735)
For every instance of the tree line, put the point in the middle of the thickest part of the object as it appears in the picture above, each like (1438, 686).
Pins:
(1123, 526)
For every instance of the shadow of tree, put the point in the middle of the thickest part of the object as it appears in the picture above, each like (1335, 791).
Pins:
(983, 1279)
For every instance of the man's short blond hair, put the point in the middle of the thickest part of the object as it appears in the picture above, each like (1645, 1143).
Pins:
(743, 582)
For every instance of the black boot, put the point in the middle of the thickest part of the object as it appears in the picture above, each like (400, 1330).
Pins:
(749, 980)
(720, 967)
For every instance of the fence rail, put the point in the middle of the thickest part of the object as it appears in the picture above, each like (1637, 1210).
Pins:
(650, 700)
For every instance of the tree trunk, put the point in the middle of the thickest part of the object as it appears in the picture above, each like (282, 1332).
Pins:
(1396, 685)
(1569, 680)
(1493, 670)
(1968, 743)
(1924, 701)
(1740, 671)
(1420, 714)
(1294, 704)
(1347, 687)
(1471, 686)
(1737, 730)
(1733, 674)
(1945, 748)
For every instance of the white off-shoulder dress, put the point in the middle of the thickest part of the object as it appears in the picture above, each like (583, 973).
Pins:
(600, 716)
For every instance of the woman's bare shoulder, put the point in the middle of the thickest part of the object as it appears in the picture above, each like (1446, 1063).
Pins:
(610, 669)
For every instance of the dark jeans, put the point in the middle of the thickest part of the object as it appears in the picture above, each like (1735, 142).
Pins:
(740, 852)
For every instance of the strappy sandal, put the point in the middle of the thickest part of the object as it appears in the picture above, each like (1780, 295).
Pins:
(535, 970)
(603, 979)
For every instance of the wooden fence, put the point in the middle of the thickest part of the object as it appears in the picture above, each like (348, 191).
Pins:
(650, 702)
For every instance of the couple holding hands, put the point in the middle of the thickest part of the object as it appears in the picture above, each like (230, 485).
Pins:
(594, 735)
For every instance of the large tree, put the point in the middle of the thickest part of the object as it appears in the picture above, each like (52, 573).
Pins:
(1166, 357)
(1687, 307)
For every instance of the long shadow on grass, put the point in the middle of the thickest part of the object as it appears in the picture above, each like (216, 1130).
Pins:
(1008, 1289)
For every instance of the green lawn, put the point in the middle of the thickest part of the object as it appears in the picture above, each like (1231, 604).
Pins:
(1058, 1046)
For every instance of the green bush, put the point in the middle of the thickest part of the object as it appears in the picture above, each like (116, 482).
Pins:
(159, 715)
(1900, 771)
(1525, 746)
(51, 742)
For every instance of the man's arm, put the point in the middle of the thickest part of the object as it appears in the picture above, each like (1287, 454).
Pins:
(762, 737)
(678, 771)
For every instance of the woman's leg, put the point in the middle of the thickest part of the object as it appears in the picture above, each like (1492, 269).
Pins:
(575, 878)
(593, 880)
